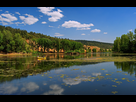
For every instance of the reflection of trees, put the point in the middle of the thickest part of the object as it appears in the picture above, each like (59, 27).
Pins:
(129, 67)
(25, 66)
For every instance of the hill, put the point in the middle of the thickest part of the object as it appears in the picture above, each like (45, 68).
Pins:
(96, 43)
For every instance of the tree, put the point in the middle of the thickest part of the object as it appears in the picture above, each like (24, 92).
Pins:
(94, 49)
(117, 42)
(57, 45)
(1, 41)
(18, 42)
(65, 44)
(135, 34)
(7, 38)
(130, 36)
(124, 43)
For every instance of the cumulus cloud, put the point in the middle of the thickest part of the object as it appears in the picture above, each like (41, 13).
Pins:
(55, 15)
(40, 16)
(56, 90)
(83, 28)
(58, 34)
(75, 81)
(19, 23)
(7, 18)
(44, 22)
(29, 87)
(96, 74)
(130, 30)
(105, 33)
(83, 34)
(8, 89)
(96, 30)
(50, 26)
(78, 25)
(17, 13)
(29, 20)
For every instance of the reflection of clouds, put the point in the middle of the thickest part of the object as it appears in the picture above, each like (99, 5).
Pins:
(31, 86)
(8, 89)
(56, 90)
(58, 71)
(75, 81)
(96, 74)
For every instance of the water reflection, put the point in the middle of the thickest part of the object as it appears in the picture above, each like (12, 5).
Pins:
(55, 90)
(129, 67)
(8, 89)
(29, 87)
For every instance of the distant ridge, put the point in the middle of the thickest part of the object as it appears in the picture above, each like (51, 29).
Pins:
(103, 45)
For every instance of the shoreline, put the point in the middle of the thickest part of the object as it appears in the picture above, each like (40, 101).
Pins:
(14, 54)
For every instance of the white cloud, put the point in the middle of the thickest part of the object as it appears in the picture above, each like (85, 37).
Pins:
(17, 13)
(75, 81)
(96, 30)
(0, 10)
(44, 22)
(105, 33)
(58, 34)
(7, 18)
(75, 24)
(96, 74)
(30, 87)
(50, 26)
(83, 34)
(56, 90)
(29, 20)
(83, 28)
(130, 30)
(8, 89)
(19, 23)
(40, 16)
(55, 15)
(6, 11)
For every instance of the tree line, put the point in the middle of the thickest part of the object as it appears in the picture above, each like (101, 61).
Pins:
(126, 43)
(14, 40)
(96, 43)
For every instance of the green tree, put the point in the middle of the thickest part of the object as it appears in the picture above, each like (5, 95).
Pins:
(135, 35)
(124, 43)
(18, 42)
(130, 36)
(65, 44)
(7, 38)
(1, 41)
(57, 45)
(94, 49)
(117, 42)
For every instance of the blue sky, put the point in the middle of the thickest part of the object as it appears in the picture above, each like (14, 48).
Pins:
(102, 24)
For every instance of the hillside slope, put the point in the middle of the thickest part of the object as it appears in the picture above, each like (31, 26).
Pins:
(96, 43)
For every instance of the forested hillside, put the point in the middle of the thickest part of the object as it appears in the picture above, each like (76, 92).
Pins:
(96, 43)
(14, 40)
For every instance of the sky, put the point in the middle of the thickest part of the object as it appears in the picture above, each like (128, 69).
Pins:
(101, 24)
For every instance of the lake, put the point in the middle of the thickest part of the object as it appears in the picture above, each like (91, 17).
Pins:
(25, 75)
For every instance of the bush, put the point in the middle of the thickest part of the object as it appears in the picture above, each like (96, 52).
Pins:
(94, 50)
(24, 51)
(82, 51)
(89, 50)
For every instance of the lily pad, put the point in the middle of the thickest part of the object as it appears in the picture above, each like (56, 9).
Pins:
(114, 86)
(102, 69)
(76, 69)
(50, 77)
(123, 78)
(114, 92)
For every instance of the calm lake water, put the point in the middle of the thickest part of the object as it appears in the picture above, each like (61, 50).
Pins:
(25, 75)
